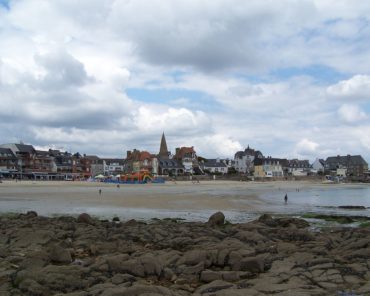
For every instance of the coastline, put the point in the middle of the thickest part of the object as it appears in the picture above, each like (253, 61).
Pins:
(86, 256)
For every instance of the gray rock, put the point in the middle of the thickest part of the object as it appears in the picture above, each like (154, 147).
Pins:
(255, 265)
(214, 286)
(84, 218)
(216, 219)
(210, 276)
(59, 254)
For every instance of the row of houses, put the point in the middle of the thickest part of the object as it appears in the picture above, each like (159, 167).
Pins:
(252, 162)
(24, 161)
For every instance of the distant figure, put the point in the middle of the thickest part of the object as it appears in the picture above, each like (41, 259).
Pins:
(99, 191)
(286, 198)
(117, 185)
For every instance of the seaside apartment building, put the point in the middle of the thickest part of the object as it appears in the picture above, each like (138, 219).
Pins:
(268, 167)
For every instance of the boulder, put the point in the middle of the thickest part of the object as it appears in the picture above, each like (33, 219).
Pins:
(216, 219)
(210, 276)
(84, 218)
(59, 254)
(31, 214)
(254, 265)
(267, 220)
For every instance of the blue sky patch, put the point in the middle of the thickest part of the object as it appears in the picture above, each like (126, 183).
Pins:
(196, 99)
(322, 74)
(4, 3)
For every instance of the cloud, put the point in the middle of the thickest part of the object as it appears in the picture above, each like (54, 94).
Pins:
(243, 73)
(356, 88)
(306, 148)
(351, 113)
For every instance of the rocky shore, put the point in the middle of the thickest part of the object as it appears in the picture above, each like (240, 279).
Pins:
(85, 256)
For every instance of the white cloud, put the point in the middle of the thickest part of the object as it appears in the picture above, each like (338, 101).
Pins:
(355, 88)
(351, 113)
(65, 66)
(306, 148)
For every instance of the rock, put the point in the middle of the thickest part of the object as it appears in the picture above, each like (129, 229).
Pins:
(32, 287)
(267, 220)
(31, 214)
(210, 276)
(115, 219)
(352, 207)
(151, 264)
(288, 222)
(131, 222)
(60, 255)
(213, 287)
(84, 218)
(193, 257)
(217, 219)
(255, 265)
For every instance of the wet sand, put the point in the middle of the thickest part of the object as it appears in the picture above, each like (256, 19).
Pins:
(148, 200)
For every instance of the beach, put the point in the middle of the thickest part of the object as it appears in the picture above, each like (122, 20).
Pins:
(181, 239)
(241, 201)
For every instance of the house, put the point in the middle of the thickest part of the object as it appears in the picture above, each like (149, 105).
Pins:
(214, 166)
(95, 164)
(170, 167)
(189, 160)
(349, 165)
(137, 161)
(244, 160)
(8, 162)
(113, 166)
(296, 167)
(318, 166)
(268, 167)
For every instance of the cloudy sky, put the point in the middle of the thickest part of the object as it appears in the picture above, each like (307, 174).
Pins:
(290, 78)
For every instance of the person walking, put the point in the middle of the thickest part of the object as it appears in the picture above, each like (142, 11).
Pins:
(286, 198)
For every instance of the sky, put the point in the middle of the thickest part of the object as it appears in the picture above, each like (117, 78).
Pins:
(290, 78)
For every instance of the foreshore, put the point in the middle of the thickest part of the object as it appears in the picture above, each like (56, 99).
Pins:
(270, 256)
(241, 201)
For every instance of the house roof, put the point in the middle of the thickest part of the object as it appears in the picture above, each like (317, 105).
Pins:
(214, 163)
(345, 160)
(25, 148)
(166, 163)
(296, 163)
(181, 152)
(7, 153)
(248, 151)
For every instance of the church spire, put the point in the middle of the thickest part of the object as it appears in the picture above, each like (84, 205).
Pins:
(163, 151)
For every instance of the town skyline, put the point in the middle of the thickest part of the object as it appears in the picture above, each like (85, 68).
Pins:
(288, 77)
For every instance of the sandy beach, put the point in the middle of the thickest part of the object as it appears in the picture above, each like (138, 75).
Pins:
(171, 199)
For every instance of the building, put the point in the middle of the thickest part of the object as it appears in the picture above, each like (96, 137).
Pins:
(96, 165)
(187, 157)
(214, 166)
(113, 166)
(8, 162)
(31, 163)
(170, 167)
(318, 166)
(349, 165)
(296, 167)
(268, 167)
(244, 160)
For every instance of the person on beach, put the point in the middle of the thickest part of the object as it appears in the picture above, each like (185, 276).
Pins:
(286, 198)
(99, 191)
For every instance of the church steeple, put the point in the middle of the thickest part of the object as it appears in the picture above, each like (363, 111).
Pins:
(163, 151)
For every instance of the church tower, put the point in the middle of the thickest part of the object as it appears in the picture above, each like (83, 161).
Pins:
(163, 151)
